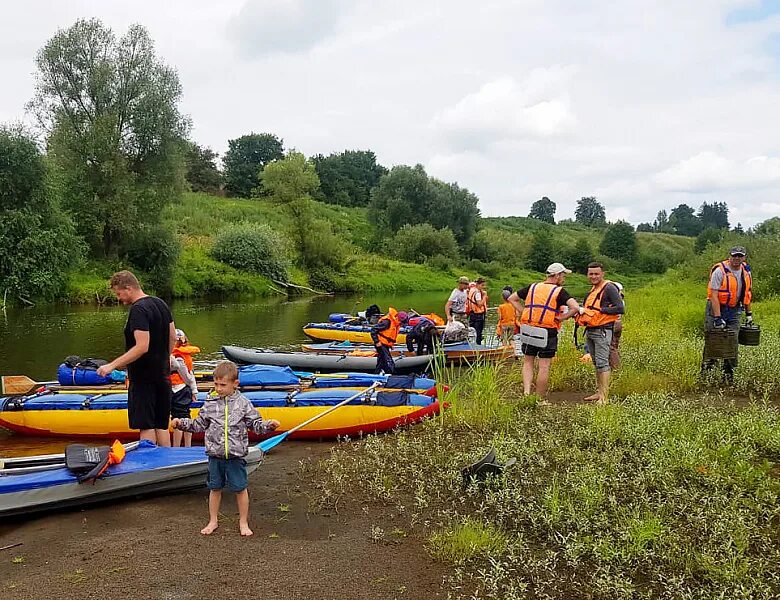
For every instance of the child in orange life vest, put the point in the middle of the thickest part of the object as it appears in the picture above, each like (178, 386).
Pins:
(507, 318)
(183, 385)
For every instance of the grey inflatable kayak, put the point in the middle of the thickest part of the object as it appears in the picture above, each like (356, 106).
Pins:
(309, 361)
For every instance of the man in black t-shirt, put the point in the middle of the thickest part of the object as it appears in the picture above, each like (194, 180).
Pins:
(150, 335)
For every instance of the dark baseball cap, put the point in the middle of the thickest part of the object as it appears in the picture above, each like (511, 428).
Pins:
(737, 251)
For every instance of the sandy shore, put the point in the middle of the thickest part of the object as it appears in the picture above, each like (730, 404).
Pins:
(151, 548)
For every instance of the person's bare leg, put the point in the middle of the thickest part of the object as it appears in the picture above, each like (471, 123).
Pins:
(597, 394)
(148, 434)
(543, 376)
(163, 437)
(528, 373)
(187, 439)
(603, 387)
(215, 498)
(178, 435)
(242, 499)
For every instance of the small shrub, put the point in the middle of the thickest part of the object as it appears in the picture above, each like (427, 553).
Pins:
(252, 247)
(416, 243)
(155, 249)
(465, 541)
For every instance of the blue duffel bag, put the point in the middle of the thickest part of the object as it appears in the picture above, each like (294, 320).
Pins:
(75, 371)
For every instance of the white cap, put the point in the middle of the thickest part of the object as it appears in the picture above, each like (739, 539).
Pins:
(556, 268)
(180, 335)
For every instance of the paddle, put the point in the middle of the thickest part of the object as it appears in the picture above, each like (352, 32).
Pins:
(19, 385)
(266, 445)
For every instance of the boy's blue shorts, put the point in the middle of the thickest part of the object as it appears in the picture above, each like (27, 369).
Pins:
(227, 473)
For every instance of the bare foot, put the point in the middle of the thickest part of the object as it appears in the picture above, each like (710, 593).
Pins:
(601, 401)
(209, 528)
(591, 398)
(244, 528)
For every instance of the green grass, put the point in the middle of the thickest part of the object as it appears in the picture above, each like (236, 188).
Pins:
(463, 542)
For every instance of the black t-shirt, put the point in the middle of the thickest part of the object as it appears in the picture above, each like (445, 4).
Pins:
(153, 315)
(563, 298)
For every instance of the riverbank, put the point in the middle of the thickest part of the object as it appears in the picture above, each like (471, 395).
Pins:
(151, 548)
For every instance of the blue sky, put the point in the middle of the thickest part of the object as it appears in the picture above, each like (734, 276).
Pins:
(753, 12)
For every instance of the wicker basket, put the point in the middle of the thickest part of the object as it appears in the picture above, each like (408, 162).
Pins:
(720, 344)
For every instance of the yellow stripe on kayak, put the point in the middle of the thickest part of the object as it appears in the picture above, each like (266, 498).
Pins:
(339, 335)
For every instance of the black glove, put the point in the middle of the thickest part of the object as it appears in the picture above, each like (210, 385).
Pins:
(719, 323)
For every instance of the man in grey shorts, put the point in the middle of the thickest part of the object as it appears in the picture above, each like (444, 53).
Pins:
(601, 310)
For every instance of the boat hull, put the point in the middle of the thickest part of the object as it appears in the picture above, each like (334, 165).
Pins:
(452, 352)
(144, 471)
(325, 362)
(111, 423)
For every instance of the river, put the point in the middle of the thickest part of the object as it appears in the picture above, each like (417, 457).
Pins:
(35, 340)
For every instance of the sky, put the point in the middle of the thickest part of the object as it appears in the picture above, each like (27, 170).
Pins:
(645, 104)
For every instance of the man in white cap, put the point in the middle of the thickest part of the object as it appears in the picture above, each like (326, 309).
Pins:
(540, 320)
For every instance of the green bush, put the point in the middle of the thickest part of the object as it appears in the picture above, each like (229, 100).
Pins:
(416, 243)
(155, 249)
(252, 247)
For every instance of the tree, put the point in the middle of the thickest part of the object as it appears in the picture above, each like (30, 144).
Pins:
(619, 242)
(543, 210)
(245, 159)
(738, 228)
(683, 221)
(291, 182)
(715, 215)
(202, 172)
(577, 258)
(590, 212)
(347, 178)
(541, 253)
(110, 109)
(770, 227)
(37, 241)
(708, 236)
(406, 195)
(645, 227)
(661, 224)
(418, 243)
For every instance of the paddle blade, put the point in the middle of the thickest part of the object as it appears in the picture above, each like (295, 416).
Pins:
(272, 442)
(16, 385)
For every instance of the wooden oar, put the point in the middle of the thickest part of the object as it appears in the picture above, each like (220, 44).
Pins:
(19, 385)
(266, 445)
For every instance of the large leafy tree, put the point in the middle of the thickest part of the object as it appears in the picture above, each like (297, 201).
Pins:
(590, 212)
(203, 175)
(346, 178)
(619, 242)
(543, 210)
(245, 159)
(110, 108)
(683, 221)
(541, 253)
(37, 241)
(407, 195)
(714, 216)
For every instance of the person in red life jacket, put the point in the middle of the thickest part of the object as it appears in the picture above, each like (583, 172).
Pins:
(729, 294)
(183, 385)
(601, 310)
(424, 335)
(384, 335)
(540, 306)
(476, 307)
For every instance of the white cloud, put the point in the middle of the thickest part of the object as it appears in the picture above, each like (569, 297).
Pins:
(709, 171)
(505, 109)
(265, 27)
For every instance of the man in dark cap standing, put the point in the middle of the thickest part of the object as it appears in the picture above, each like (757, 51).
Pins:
(729, 294)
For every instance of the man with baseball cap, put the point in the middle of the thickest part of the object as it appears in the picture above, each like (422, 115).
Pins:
(455, 308)
(541, 318)
(729, 294)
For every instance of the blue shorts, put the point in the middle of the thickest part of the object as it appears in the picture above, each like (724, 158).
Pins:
(227, 473)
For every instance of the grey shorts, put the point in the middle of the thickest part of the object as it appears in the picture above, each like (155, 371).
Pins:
(598, 342)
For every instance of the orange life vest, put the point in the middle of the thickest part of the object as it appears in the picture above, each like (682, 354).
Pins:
(541, 306)
(507, 317)
(593, 316)
(389, 336)
(185, 353)
(472, 306)
(727, 294)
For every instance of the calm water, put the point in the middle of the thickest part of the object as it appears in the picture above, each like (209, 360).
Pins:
(35, 340)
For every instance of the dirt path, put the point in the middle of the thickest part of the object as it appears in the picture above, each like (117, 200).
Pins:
(151, 548)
